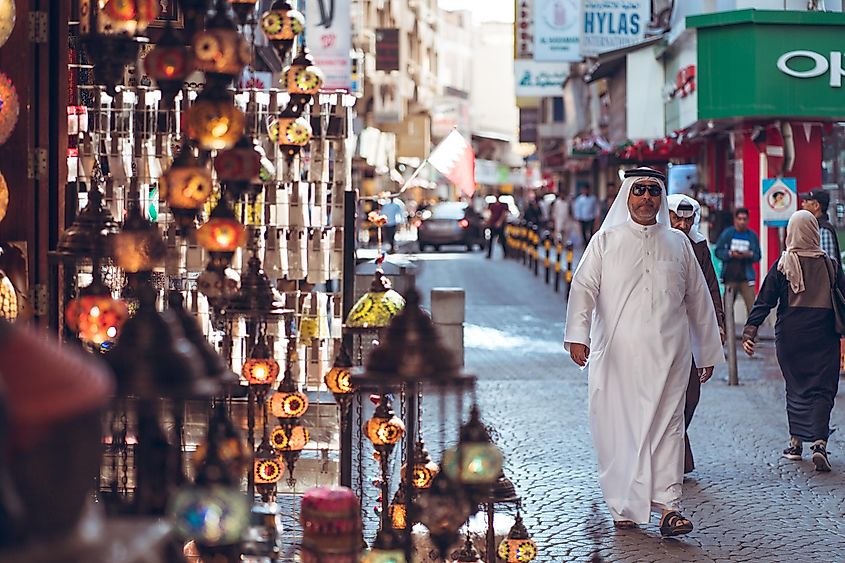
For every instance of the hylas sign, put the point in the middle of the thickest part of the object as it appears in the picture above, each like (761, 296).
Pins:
(793, 63)
(607, 25)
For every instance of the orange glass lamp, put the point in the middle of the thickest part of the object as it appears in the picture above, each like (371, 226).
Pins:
(129, 16)
(291, 134)
(384, 429)
(186, 186)
(169, 63)
(138, 247)
(518, 547)
(96, 317)
(261, 369)
(281, 24)
(220, 50)
(222, 234)
(339, 378)
(213, 121)
(267, 470)
(290, 439)
(288, 404)
(398, 511)
(303, 79)
(425, 470)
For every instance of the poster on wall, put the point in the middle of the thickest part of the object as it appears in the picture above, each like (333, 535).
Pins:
(607, 25)
(328, 31)
(539, 80)
(556, 30)
(779, 201)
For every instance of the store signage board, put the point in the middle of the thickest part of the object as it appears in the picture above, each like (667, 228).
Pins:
(556, 30)
(329, 37)
(523, 30)
(388, 49)
(792, 65)
(539, 80)
(607, 25)
(779, 201)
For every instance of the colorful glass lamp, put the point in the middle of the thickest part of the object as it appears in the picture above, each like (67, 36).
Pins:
(518, 547)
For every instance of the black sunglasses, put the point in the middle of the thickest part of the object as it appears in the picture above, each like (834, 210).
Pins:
(639, 189)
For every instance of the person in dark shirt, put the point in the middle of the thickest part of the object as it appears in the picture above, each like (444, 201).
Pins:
(817, 203)
(739, 248)
(498, 211)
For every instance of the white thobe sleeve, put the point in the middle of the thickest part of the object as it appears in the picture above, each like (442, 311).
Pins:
(583, 294)
(704, 328)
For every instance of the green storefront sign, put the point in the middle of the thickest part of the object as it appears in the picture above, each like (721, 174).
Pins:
(761, 63)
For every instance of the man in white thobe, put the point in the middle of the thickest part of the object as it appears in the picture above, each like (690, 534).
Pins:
(639, 311)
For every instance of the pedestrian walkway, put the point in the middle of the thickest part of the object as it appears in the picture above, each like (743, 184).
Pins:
(748, 504)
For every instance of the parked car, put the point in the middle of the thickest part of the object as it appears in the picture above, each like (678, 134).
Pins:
(451, 222)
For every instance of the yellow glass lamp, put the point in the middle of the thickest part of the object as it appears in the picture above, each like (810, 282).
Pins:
(397, 510)
(518, 547)
(288, 404)
(186, 185)
(290, 439)
(425, 470)
(7, 19)
(220, 50)
(281, 24)
(129, 16)
(213, 121)
(267, 469)
(9, 307)
(384, 429)
(377, 307)
(291, 134)
(303, 76)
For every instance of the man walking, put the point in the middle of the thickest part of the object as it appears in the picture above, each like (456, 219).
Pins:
(817, 203)
(394, 210)
(684, 215)
(560, 218)
(739, 248)
(638, 311)
(585, 210)
(498, 216)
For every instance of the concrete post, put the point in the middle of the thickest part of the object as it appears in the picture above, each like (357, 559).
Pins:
(448, 311)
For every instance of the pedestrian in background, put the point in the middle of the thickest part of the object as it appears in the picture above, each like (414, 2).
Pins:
(739, 248)
(394, 210)
(685, 215)
(497, 217)
(533, 215)
(806, 341)
(817, 203)
(561, 218)
(585, 209)
(640, 301)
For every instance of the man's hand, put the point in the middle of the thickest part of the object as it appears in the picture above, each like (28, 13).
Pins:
(579, 353)
(748, 346)
(705, 373)
(722, 335)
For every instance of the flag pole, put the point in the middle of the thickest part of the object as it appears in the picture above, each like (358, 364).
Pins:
(416, 173)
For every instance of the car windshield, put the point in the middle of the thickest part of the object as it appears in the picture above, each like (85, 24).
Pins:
(450, 210)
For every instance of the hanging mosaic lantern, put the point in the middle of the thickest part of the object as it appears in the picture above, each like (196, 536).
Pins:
(377, 307)
(287, 404)
(303, 79)
(129, 16)
(331, 525)
(218, 285)
(9, 307)
(518, 547)
(239, 168)
(186, 186)
(222, 234)
(138, 247)
(281, 25)
(215, 515)
(425, 470)
(475, 460)
(339, 378)
(291, 134)
(384, 429)
(220, 50)
(290, 439)
(261, 368)
(443, 509)
(9, 108)
(398, 511)
(169, 63)
(95, 316)
(7, 19)
(4, 197)
(244, 10)
(268, 470)
(213, 121)
(468, 553)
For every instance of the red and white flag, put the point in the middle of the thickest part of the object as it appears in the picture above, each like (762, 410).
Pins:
(454, 158)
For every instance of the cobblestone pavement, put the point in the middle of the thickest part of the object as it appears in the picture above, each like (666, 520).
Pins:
(748, 504)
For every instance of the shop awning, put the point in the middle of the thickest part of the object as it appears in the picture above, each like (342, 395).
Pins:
(612, 61)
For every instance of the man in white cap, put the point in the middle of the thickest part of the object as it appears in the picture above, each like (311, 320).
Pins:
(639, 311)
(685, 215)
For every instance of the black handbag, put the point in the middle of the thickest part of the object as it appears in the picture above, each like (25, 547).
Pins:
(836, 298)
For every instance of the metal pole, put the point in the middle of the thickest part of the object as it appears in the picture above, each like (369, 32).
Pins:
(491, 533)
(730, 327)
(411, 413)
(350, 202)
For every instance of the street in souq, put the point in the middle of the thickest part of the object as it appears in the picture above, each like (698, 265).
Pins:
(421, 281)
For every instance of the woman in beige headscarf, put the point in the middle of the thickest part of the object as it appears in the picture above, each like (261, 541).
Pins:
(805, 336)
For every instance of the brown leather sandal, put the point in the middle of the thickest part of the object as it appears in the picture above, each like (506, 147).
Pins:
(624, 524)
(674, 524)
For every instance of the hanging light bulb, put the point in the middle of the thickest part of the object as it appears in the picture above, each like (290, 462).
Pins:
(186, 186)
(169, 63)
(281, 24)
(518, 547)
(222, 234)
(213, 121)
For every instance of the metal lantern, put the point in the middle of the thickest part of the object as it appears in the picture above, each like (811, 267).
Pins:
(244, 9)
(281, 24)
(224, 456)
(186, 186)
(213, 121)
(215, 367)
(218, 285)
(91, 233)
(339, 378)
(290, 439)
(387, 548)
(377, 307)
(220, 50)
(398, 510)
(222, 234)
(518, 547)
(425, 470)
(468, 553)
(239, 168)
(384, 429)
(169, 63)
(138, 247)
(256, 296)
(261, 368)
(215, 515)
(443, 509)
(475, 460)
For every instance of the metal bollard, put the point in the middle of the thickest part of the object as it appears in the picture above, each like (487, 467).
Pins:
(558, 264)
(535, 239)
(448, 312)
(730, 328)
(547, 260)
(570, 256)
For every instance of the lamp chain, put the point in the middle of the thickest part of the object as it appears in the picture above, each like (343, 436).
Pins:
(124, 449)
(403, 413)
(359, 420)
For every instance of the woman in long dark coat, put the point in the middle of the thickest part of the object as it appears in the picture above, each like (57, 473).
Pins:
(805, 336)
